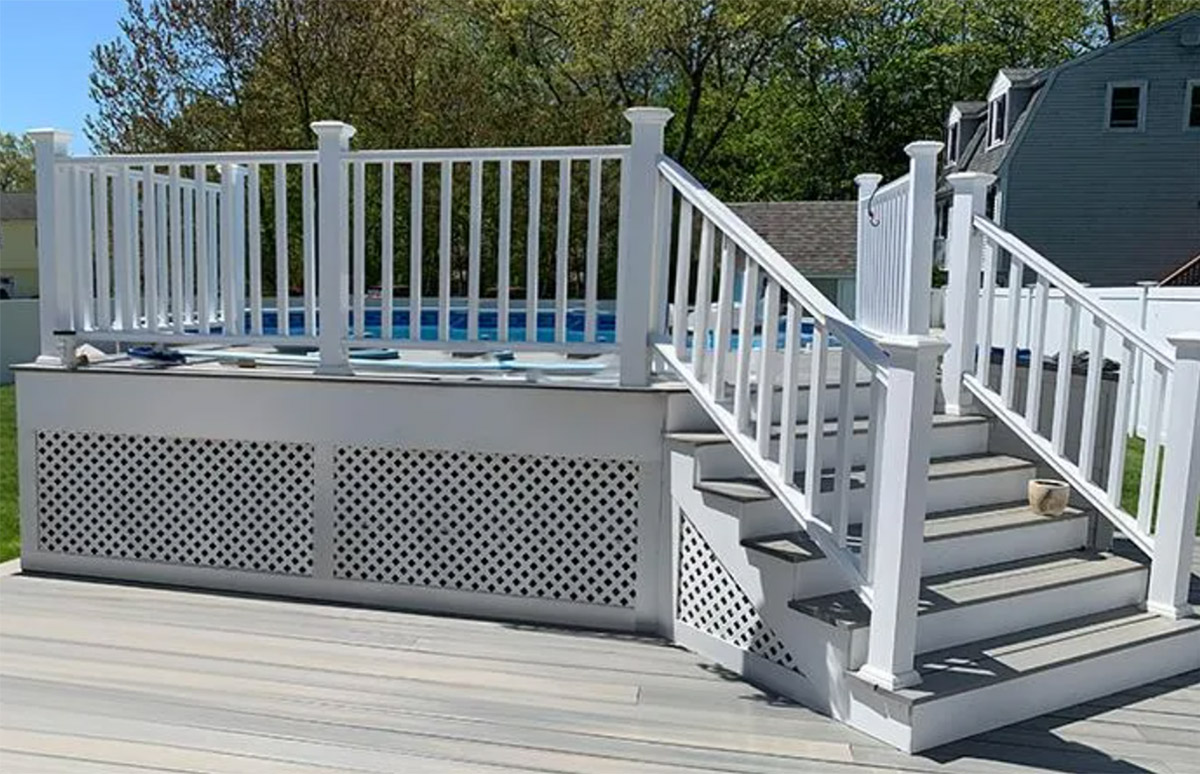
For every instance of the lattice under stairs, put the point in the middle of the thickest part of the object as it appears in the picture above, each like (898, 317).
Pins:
(1019, 614)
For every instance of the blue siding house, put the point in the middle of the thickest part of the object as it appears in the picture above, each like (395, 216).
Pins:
(1097, 160)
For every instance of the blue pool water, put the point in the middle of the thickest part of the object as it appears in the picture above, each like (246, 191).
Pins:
(606, 326)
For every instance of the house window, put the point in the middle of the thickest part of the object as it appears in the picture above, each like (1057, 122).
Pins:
(952, 144)
(1126, 106)
(997, 128)
(1191, 105)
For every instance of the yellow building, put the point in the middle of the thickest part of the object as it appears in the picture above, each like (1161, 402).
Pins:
(18, 244)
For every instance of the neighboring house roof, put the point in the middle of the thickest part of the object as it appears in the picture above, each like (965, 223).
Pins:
(818, 238)
(970, 109)
(976, 157)
(18, 205)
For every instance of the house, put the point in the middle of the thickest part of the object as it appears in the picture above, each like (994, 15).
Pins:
(18, 244)
(1097, 160)
(816, 237)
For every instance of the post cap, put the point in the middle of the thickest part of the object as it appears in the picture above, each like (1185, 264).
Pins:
(968, 181)
(867, 183)
(924, 148)
(1187, 344)
(1147, 284)
(339, 129)
(60, 137)
(648, 115)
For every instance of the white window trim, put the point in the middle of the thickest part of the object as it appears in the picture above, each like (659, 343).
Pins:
(954, 129)
(1187, 104)
(1142, 92)
(991, 141)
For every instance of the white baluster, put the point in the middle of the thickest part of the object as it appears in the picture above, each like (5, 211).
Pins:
(766, 367)
(716, 378)
(592, 268)
(683, 266)
(504, 253)
(533, 234)
(561, 250)
(474, 248)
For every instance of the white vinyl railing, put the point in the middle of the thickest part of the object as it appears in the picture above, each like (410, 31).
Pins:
(895, 245)
(1077, 425)
(756, 343)
(447, 249)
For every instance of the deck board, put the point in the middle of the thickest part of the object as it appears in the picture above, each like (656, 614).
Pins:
(100, 677)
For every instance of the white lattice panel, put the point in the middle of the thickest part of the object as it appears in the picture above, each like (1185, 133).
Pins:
(241, 505)
(710, 601)
(514, 524)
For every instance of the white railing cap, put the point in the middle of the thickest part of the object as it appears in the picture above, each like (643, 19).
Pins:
(965, 181)
(341, 129)
(60, 137)
(924, 148)
(867, 182)
(648, 115)
(1187, 344)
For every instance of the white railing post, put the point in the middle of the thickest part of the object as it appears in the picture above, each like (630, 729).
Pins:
(964, 250)
(1143, 318)
(333, 269)
(638, 241)
(867, 184)
(1175, 533)
(53, 238)
(897, 520)
(922, 178)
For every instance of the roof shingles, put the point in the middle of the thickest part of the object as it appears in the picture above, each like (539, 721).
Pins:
(818, 238)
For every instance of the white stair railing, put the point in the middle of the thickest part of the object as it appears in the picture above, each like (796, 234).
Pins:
(767, 326)
(1086, 446)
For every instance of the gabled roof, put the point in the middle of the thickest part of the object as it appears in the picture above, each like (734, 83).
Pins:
(976, 157)
(818, 238)
(18, 205)
(970, 109)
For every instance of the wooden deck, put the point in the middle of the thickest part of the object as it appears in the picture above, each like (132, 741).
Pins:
(99, 677)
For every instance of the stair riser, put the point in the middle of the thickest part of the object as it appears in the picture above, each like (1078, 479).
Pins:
(952, 492)
(983, 548)
(860, 400)
(1009, 614)
(724, 461)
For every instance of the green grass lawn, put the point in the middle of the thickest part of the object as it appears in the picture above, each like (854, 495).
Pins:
(10, 541)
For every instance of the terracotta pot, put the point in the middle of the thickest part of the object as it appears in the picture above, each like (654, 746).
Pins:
(1048, 497)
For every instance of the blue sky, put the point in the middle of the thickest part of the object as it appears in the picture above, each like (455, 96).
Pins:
(45, 60)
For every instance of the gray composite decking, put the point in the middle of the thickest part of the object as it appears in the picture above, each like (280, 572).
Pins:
(98, 677)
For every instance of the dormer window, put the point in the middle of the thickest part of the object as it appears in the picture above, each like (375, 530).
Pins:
(1126, 106)
(952, 144)
(997, 120)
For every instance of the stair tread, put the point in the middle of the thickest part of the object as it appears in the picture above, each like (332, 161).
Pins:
(793, 547)
(988, 662)
(980, 584)
(713, 437)
(752, 489)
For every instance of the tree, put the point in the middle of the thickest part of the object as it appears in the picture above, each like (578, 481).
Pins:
(16, 163)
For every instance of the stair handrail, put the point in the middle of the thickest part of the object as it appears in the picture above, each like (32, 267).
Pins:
(1153, 345)
(884, 567)
(1162, 524)
(783, 272)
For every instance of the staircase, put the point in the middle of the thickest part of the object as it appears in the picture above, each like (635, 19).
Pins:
(849, 516)
(1019, 614)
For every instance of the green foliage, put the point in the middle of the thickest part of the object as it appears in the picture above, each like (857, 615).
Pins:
(16, 163)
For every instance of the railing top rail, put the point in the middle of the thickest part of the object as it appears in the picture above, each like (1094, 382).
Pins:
(166, 159)
(894, 188)
(491, 154)
(1159, 350)
(791, 280)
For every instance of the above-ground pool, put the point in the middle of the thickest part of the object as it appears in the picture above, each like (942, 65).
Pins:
(606, 326)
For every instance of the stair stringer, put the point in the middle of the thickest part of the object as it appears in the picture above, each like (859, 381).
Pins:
(820, 652)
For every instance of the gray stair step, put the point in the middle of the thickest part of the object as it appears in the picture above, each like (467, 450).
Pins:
(957, 590)
(752, 489)
(796, 547)
(792, 547)
(861, 424)
(1020, 654)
